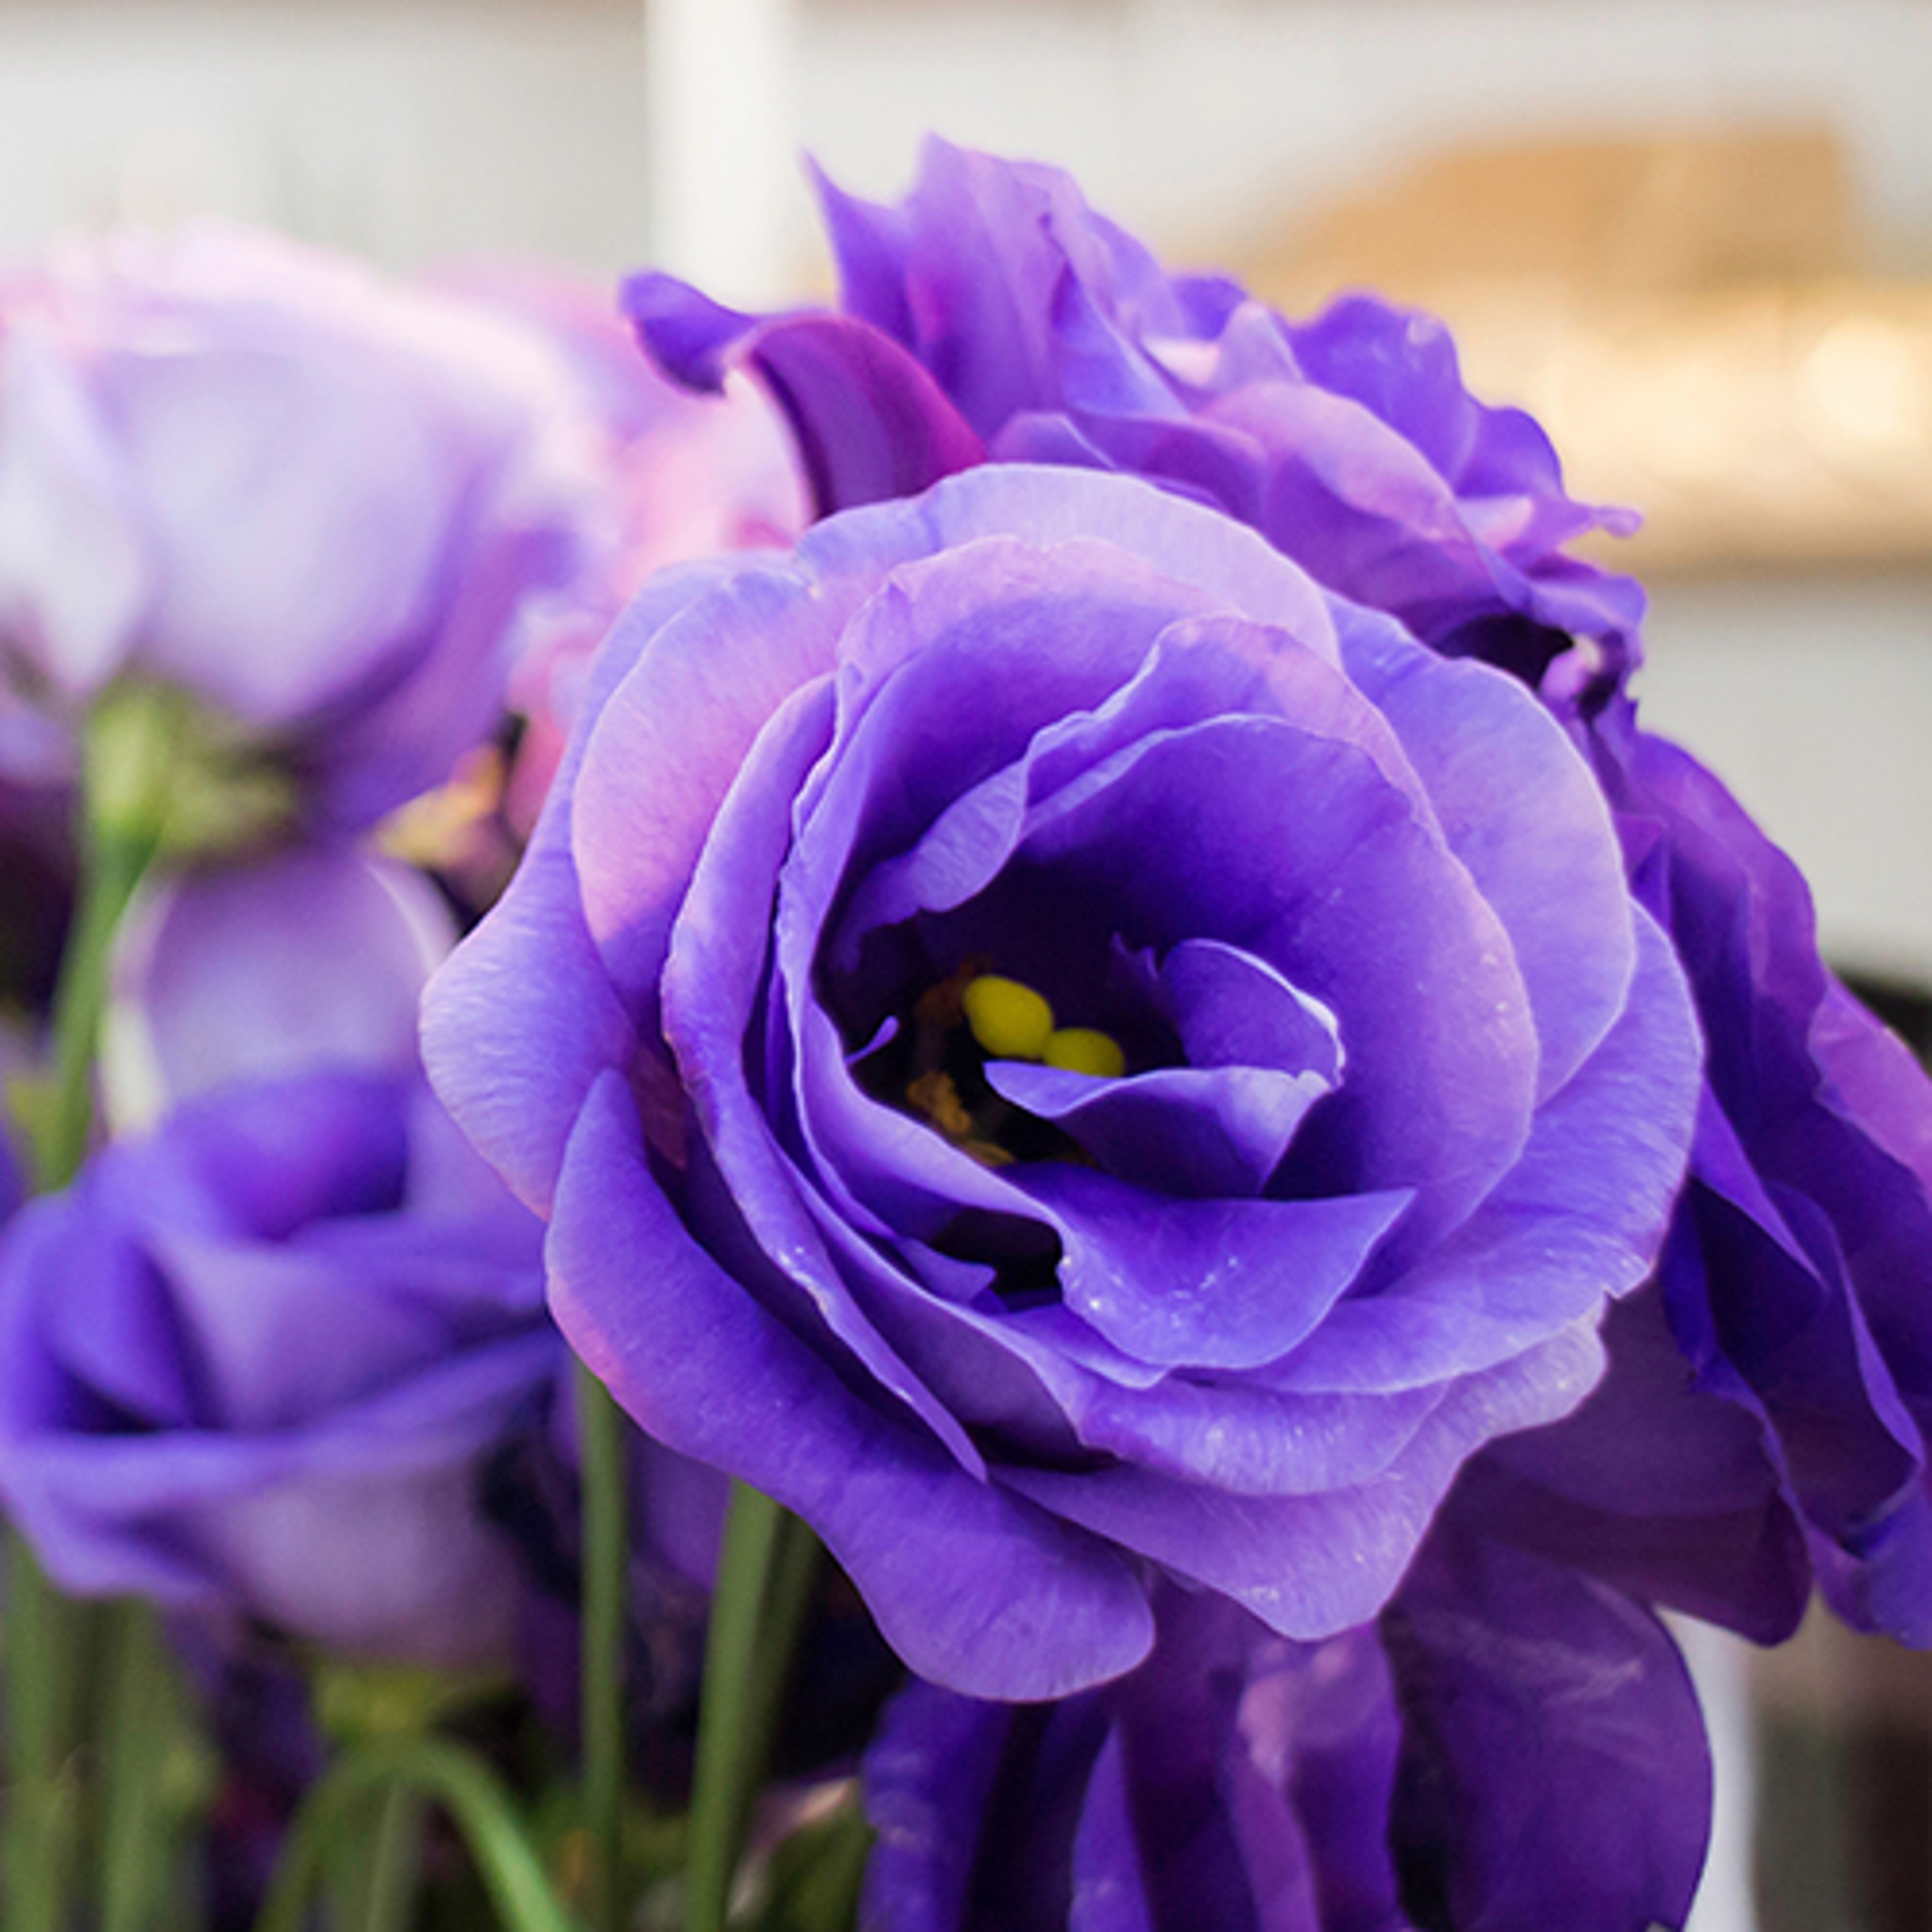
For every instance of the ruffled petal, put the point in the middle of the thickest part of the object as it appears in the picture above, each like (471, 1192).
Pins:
(1214, 1284)
(517, 1023)
(315, 957)
(977, 1590)
(1554, 1769)
(1308, 1566)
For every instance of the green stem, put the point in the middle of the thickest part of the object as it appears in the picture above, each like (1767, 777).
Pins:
(42, 1822)
(122, 813)
(512, 1873)
(115, 870)
(794, 1569)
(130, 752)
(764, 1580)
(395, 1864)
(606, 1564)
(142, 1731)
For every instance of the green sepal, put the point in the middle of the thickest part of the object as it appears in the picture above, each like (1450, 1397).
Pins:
(167, 772)
(357, 1704)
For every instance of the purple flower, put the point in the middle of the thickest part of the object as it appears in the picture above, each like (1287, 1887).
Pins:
(315, 957)
(992, 315)
(685, 476)
(1399, 1091)
(1514, 1747)
(1764, 1422)
(316, 503)
(253, 1357)
(248, 1364)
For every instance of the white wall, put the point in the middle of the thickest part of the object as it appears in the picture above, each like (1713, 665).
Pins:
(411, 129)
(406, 132)
(1811, 696)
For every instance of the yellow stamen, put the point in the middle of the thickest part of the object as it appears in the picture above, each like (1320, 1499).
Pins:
(1009, 1021)
(1085, 1050)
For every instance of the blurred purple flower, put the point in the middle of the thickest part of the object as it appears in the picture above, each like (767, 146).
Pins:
(315, 502)
(314, 958)
(993, 316)
(1514, 1748)
(1408, 1077)
(253, 1357)
(250, 1364)
(684, 477)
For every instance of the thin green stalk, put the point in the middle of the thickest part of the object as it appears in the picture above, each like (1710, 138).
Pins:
(44, 1634)
(764, 1577)
(141, 1730)
(794, 1568)
(129, 777)
(606, 1563)
(114, 869)
(395, 1863)
(43, 1799)
(513, 1874)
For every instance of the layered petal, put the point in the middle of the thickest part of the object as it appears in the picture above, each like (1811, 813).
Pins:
(1404, 1079)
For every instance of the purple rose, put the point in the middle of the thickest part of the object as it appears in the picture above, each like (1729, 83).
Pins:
(1364, 1082)
(317, 502)
(992, 315)
(1514, 1747)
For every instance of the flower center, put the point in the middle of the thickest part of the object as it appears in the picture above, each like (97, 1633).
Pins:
(934, 1063)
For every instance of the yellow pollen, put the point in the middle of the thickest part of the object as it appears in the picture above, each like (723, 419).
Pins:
(934, 1096)
(1009, 1021)
(1085, 1050)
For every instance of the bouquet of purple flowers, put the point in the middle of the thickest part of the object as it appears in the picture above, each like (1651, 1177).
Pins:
(1124, 1182)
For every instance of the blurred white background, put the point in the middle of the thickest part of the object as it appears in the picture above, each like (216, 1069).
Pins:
(414, 128)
